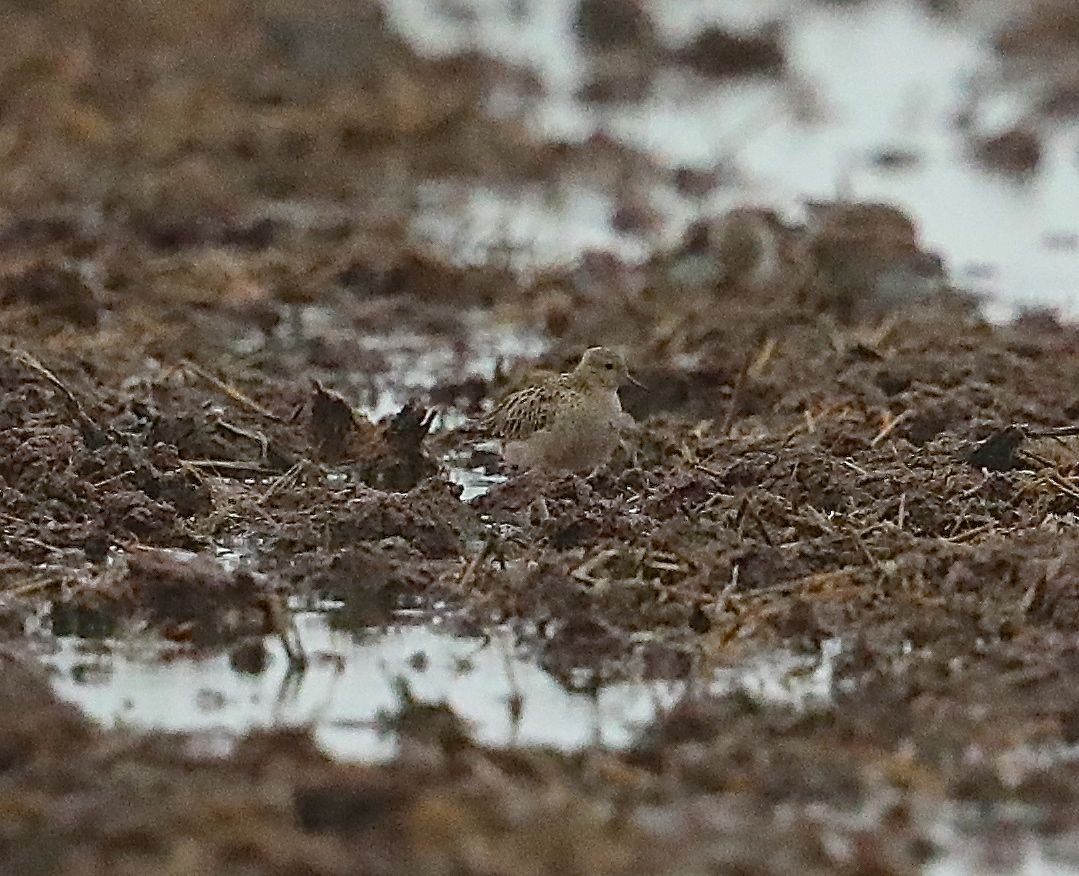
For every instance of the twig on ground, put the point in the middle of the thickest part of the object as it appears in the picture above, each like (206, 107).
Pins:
(232, 392)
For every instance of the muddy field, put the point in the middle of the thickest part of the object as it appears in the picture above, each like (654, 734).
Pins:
(250, 299)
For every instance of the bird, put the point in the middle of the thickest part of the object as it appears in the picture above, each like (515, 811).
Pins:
(569, 422)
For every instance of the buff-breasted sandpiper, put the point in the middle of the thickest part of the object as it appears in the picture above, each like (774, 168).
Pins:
(569, 422)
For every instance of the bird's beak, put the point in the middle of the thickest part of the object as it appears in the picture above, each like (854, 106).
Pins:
(634, 381)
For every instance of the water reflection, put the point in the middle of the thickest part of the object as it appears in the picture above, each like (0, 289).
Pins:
(351, 681)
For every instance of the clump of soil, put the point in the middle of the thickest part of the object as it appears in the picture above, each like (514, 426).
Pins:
(186, 598)
(720, 53)
(1037, 47)
(617, 78)
(614, 24)
(1018, 151)
(57, 292)
(388, 455)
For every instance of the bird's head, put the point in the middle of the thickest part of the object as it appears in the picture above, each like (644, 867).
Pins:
(600, 366)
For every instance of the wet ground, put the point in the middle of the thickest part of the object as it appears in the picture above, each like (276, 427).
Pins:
(266, 608)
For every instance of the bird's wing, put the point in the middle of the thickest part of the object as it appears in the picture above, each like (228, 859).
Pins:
(524, 413)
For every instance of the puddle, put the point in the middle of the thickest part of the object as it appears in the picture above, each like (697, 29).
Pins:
(475, 482)
(417, 362)
(351, 681)
(411, 363)
(878, 76)
(529, 226)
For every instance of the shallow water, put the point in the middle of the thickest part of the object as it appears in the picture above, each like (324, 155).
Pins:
(417, 362)
(875, 76)
(351, 680)
(474, 482)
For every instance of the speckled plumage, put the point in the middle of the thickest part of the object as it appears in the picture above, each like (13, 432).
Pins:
(570, 422)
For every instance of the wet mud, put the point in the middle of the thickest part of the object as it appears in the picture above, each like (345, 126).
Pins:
(235, 384)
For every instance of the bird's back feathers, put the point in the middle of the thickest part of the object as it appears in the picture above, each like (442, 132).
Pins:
(530, 410)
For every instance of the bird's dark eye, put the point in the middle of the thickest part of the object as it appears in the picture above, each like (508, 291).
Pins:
(609, 366)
